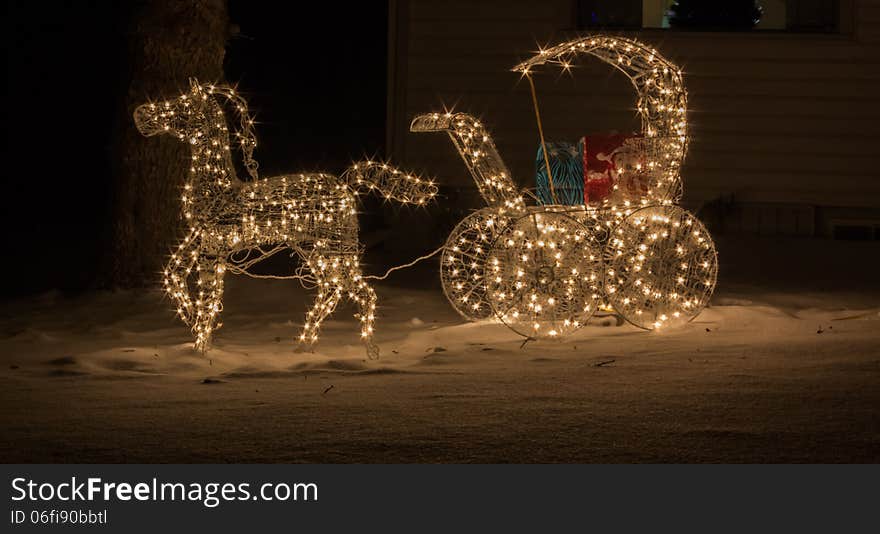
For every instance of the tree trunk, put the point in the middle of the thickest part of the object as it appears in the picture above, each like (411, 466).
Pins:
(170, 41)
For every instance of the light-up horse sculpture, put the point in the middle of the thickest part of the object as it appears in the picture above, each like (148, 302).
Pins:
(233, 224)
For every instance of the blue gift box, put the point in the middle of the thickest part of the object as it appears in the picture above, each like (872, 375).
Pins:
(567, 168)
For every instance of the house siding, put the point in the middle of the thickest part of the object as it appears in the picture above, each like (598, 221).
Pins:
(774, 117)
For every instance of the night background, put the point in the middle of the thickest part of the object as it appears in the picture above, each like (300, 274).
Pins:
(782, 365)
(315, 80)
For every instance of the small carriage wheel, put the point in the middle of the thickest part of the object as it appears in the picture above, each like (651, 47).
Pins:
(660, 267)
(544, 272)
(463, 262)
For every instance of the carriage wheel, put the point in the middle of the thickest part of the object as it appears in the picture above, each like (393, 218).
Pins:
(543, 275)
(660, 267)
(463, 263)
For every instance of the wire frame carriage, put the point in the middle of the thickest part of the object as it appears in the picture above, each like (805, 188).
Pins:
(544, 270)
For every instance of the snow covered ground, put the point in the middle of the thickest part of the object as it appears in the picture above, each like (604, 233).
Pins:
(763, 375)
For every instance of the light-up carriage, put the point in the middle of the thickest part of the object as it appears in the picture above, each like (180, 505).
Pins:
(545, 269)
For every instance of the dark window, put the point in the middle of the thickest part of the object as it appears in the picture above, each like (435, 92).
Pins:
(811, 16)
(856, 232)
(612, 14)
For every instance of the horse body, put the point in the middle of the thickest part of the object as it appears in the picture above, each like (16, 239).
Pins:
(235, 224)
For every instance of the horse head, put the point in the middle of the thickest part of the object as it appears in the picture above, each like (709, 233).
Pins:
(185, 117)
(196, 118)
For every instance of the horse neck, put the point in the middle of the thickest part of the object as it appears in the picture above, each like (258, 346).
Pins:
(212, 172)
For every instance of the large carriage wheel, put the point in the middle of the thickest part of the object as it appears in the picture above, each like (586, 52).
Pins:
(463, 263)
(543, 275)
(660, 267)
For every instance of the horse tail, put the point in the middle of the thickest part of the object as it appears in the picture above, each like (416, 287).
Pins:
(390, 182)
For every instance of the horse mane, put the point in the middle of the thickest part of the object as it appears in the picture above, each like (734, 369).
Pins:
(245, 132)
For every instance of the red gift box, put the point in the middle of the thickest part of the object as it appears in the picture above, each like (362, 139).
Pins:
(601, 171)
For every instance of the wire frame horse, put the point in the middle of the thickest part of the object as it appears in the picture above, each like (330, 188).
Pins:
(234, 224)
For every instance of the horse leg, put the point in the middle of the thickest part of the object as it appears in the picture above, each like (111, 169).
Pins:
(175, 276)
(325, 302)
(361, 293)
(210, 300)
